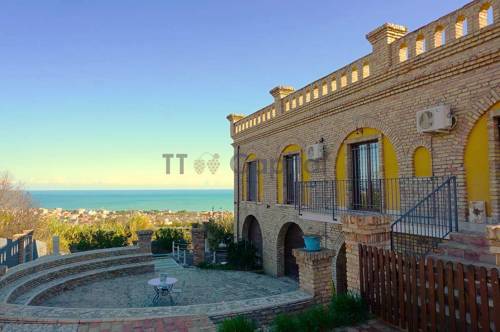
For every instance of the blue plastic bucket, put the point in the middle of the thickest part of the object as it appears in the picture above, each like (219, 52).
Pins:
(312, 243)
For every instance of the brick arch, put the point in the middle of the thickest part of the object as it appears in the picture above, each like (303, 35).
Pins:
(280, 246)
(368, 122)
(252, 232)
(479, 107)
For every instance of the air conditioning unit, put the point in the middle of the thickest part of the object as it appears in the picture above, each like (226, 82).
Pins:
(315, 151)
(436, 119)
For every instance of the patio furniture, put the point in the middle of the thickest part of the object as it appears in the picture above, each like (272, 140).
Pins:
(162, 288)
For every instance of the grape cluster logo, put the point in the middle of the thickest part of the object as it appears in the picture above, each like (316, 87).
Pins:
(208, 160)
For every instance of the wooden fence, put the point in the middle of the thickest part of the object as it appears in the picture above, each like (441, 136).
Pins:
(428, 294)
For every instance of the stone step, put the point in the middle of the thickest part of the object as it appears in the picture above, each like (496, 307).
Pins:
(468, 252)
(477, 239)
(48, 262)
(24, 284)
(71, 281)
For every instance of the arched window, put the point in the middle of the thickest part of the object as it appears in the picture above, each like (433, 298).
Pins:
(343, 80)
(324, 89)
(354, 74)
(308, 95)
(439, 36)
(461, 27)
(287, 106)
(290, 169)
(315, 92)
(366, 69)
(485, 15)
(403, 52)
(294, 102)
(333, 84)
(301, 100)
(420, 44)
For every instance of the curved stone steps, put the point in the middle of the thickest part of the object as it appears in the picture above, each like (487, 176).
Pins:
(37, 295)
(48, 262)
(24, 284)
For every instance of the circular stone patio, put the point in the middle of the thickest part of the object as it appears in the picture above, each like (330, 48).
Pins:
(194, 286)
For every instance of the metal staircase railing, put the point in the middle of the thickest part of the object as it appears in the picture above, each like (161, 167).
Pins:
(422, 227)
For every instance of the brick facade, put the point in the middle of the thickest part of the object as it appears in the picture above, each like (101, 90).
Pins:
(464, 73)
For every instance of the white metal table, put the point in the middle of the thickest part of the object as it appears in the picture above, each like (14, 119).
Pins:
(162, 288)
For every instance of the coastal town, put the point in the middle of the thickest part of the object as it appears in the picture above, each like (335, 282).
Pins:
(157, 217)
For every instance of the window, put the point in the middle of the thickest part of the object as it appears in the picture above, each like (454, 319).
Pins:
(366, 192)
(485, 15)
(308, 96)
(291, 168)
(301, 100)
(324, 89)
(252, 181)
(420, 46)
(287, 106)
(461, 27)
(294, 102)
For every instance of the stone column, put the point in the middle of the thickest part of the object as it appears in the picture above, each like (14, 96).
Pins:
(144, 240)
(55, 245)
(29, 245)
(198, 241)
(493, 235)
(373, 230)
(315, 273)
(21, 253)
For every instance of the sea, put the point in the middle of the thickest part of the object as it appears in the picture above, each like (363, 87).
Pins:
(121, 200)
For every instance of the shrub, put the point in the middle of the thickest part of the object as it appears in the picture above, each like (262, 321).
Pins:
(90, 239)
(348, 309)
(237, 324)
(219, 232)
(163, 238)
(242, 255)
(285, 323)
(344, 310)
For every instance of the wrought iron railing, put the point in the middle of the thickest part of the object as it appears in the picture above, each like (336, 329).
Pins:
(428, 222)
(424, 208)
(387, 196)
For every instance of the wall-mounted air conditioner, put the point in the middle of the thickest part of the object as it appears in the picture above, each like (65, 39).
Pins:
(435, 119)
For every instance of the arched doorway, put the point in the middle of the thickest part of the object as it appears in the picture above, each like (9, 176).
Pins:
(253, 234)
(341, 271)
(290, 238)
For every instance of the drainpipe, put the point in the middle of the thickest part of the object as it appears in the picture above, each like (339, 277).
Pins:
(237, 159)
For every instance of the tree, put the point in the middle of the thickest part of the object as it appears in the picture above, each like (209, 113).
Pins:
(17, 211)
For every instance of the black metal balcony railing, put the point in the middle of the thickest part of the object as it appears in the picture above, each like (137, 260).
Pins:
(422, 207)
(387, 196)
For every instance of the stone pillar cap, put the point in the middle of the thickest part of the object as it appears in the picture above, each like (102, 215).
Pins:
(144, 232)
(314, 255)
(281, 91)
(234, 117)
(388, 32)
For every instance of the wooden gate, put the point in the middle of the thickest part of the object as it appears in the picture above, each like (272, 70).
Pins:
(428, 294)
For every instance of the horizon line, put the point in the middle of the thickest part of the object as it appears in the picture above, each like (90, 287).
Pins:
(122, 189)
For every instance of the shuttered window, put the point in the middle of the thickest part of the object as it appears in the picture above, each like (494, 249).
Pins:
(252, 181)
(291, 173)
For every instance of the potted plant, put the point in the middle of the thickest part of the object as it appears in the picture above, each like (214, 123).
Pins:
(312, 242)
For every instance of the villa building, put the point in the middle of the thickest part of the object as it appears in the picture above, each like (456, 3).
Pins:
(409, 133)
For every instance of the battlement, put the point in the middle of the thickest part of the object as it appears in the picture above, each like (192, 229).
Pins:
(392, 48)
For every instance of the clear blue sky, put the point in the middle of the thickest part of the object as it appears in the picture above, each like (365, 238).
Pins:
(93, 92)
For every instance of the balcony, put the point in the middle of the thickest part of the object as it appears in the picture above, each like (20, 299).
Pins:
(421, 207)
